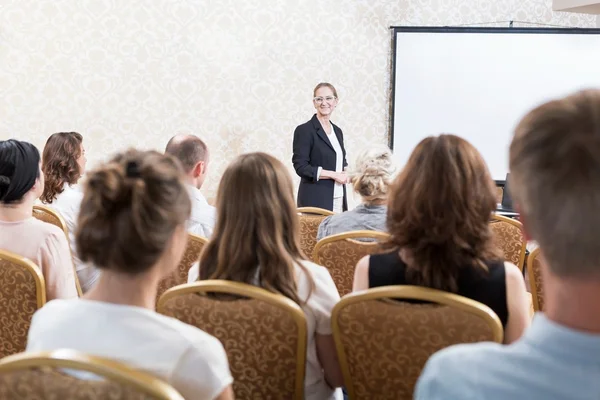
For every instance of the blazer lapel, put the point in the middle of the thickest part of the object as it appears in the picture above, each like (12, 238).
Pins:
(320, 132)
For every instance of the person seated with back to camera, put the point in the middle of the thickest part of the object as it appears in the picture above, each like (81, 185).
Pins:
(370, 179)
(193, 155)
(257, 241)
(21, 183)
(132, 226)
(63, 165)
(439, 212)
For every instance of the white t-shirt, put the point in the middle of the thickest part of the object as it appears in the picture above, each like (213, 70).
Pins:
(318, 318)
(203, 217)
(68, 203)
(338, 189)
(191, 360)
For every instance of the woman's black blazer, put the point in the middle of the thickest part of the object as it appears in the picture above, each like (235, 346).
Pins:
(312, 149)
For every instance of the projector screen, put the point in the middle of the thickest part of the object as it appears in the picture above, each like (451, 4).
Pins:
(478, 82)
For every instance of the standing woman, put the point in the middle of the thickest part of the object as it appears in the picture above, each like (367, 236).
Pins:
(319, 155)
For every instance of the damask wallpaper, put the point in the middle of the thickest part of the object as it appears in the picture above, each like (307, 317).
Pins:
(237, 73)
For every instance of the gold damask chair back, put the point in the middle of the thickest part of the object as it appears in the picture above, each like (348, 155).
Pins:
(22, 293)
(310, 219)
(191, 255)
(41, 376)
(534, 269)
(264, 334)
(51, 216)
(340, 253)
(383, 342)
(508, 235)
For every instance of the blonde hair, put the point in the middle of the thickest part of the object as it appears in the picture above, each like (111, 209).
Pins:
(373, 173)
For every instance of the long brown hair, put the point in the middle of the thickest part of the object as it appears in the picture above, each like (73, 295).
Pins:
(439, 211)
(257, 229)
(59, 163)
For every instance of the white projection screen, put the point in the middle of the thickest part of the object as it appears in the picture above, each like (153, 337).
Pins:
(478, 82)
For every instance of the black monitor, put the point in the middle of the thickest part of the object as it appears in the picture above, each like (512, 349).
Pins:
(507, 202)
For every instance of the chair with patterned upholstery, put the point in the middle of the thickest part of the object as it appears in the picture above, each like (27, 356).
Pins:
(264, 334)
(310, 219)
(51, 216)
(22, 292)
(534, 265)
(508, 235)
(383, 342)
(191, 255)
(41, 376)
(340, 253)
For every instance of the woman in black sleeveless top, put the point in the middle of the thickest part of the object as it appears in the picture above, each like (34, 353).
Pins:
(438, 219)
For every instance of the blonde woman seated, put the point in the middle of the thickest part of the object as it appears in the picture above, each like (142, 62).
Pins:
(438, 218)
(21, 183)
(256, 241)
(63, 164)
(373, 174)
(132, 225)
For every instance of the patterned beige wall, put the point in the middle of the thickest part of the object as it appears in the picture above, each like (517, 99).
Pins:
(238, 73)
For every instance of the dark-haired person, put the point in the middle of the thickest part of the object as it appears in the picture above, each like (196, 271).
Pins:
(320, 157)
(63, 164)
(21, 183)
(555, 182)
(370, 179)
(438, 220)
(256, 241)
(193, 155)
(132, 227)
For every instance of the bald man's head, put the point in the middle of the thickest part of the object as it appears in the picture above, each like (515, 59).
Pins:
(188, 149)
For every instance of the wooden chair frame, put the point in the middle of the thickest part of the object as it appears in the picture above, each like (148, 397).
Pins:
(501, 218)
(63, 226)
(315, 210)
(257, 293)
(113, 370)
(534, 289)
(409, 293)
(353, 235)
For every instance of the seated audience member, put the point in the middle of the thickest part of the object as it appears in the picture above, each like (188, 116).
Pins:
(193, 155)
(555, 178)
(256, 241)
(63, 164)
(21, 183)
(373, 174)
(132, 226)
(439, 211)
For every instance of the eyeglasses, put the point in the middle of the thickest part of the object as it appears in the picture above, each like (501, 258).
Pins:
(319, 100)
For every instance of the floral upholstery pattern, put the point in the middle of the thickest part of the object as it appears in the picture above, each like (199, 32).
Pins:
(534, 265)
(50, 384)
(18, 302)
(191, 255)
(340, 258)
(387, 343)
(511, 240)
(261, 340)
(309, 227)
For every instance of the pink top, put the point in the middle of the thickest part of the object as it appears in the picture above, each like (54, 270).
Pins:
(46, 245)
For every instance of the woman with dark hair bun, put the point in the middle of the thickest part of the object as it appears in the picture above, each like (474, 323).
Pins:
(132, 226)
(21, 183)
(438, 218)
(63, 164)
